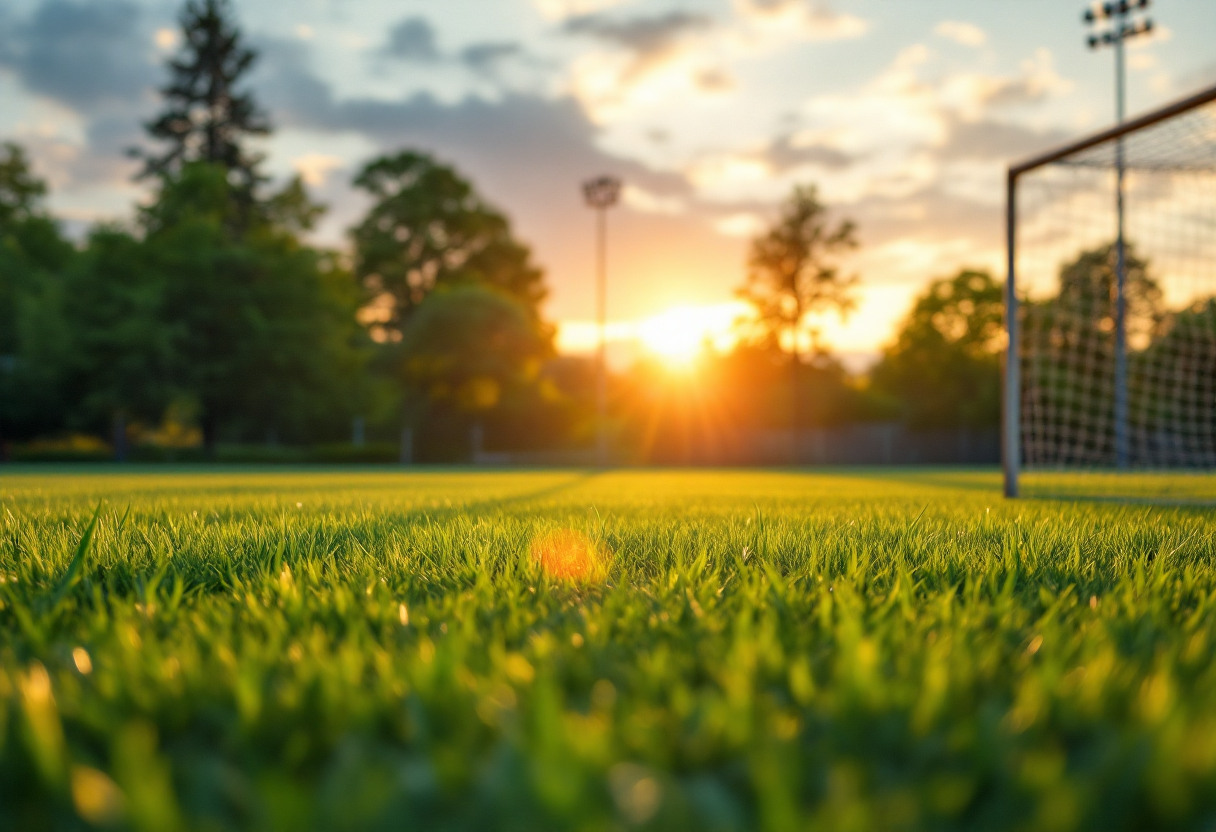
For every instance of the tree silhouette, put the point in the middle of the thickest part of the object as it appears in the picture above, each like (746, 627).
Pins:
(793, 271)
(207, 117)
(793, 274)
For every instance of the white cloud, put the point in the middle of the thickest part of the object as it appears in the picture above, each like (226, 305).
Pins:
(743, 224)
(732, 176)
(967, 34)
(561, 9)
(640, 199)
(809, 19)
(614, 83)
(897, 131)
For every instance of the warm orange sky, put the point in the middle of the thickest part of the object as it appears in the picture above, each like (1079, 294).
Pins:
(906, 113)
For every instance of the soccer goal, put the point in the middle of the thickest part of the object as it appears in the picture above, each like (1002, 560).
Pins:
(1111, 300)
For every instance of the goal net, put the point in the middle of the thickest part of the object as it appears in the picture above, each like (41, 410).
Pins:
(1112, 286)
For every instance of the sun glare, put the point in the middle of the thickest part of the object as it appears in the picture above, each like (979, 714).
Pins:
(679, 335)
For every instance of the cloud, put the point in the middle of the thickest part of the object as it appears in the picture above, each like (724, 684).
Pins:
(92, 63)
(994, 140)
(562, 9)
(640, 199)
(415, 40)
(809, 19)
(789, 152)
(916, 128)
(733, 176)
(967, 34)
(412, 39)
(744, 224)
(545, 139)
(645, 36)
(87, 55)
(649, 60)
(485, 57)
(764, 172)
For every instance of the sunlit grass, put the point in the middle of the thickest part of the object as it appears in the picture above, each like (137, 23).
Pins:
(568, 650)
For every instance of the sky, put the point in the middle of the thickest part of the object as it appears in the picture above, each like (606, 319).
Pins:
(905, 113)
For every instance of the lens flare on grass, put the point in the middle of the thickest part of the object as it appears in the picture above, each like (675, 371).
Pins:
(567, 555)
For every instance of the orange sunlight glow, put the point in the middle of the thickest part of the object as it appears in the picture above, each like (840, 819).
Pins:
(568, 555)
(678, 336)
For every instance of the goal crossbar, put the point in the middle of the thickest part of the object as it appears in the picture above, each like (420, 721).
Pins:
(1111, 134)
(1011, 366)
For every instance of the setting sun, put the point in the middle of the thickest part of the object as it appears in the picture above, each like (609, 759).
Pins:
(679, 335)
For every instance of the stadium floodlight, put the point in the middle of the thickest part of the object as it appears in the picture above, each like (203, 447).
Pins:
(1111, 305)
(601, 194)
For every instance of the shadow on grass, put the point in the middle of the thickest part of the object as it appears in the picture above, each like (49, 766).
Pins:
(497, 504)
(967, 479)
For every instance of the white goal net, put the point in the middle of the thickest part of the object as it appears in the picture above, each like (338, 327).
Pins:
(1113, 289)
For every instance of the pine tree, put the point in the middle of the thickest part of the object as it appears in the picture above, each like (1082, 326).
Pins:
(207, 117)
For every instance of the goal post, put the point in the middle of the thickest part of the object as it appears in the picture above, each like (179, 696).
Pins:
(1111, 300)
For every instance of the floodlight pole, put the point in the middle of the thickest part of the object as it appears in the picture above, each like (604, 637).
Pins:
(1119, 13)
(601, 194)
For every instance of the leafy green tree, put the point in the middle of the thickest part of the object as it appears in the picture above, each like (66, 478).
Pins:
(33, 343)
(944, 367)
(208, 117)
(471, 352)
(432, 248)
(20, 190)
(259, 326)
(120, 365)
(428, 228)
(264, 337)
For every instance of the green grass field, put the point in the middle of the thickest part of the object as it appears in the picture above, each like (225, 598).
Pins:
(660, 650)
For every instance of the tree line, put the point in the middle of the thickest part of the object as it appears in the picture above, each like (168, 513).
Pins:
(210, 311)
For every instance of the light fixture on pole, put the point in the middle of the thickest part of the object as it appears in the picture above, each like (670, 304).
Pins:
(601, 194)
(1112, 24)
